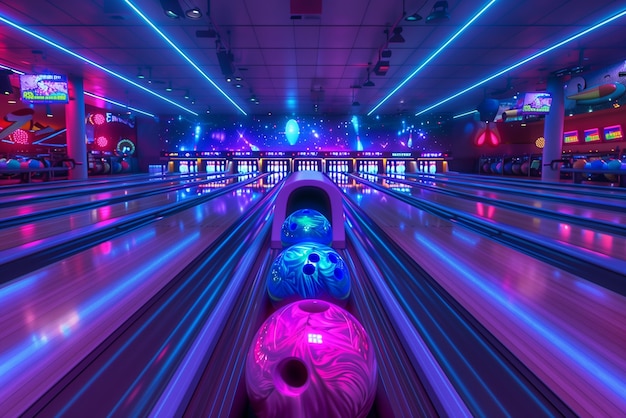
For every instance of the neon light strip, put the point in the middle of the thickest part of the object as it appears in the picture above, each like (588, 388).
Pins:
(460, 115)
(434, 54)
(182, 54)
(88, 61)
(134, 109)
(524, 61)
(91, 95)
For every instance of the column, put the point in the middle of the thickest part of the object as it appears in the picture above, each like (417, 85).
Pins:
(75, 123)
(553, 131)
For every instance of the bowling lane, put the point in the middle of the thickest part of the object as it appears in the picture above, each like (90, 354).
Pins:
(44, 201)
(32, 233)
(547, 189)
(598, 205)
(53, 318)
(566, 330)
(578, 232)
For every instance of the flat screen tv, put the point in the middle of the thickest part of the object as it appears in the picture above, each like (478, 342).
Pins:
(536, 103)
(613, 133)
(570, 137)
(592, 135)
(44, 88)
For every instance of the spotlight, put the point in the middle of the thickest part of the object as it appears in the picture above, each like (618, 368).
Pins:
(169, 87)
(186, 96)
(5, 82)
(381, 67)
(368, 83)
(49, 111)
(356, 103)
(397, 37)
(172, 8)
(140, 74)
(193, 13)
(413, 18)
(439, 13)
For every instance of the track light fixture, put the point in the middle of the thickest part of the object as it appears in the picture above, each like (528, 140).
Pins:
(172, 8)
(368, 83)
(397, 37)
(5, 82)
(49, 111)
(439, 13)
(193, 13)
(410, 18)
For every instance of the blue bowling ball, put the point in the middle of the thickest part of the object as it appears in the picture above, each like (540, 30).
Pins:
(308, 270)
(306, 225)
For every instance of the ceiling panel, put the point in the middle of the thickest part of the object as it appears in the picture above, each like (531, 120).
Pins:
(277, 56)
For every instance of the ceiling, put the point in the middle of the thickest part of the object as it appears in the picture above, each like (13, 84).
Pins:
(312, 64)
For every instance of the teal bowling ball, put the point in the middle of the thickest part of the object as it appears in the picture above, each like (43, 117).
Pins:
(306, 225)
(308, 270)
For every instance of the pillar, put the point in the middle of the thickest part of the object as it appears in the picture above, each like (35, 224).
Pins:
(553, 131)
(75, 123)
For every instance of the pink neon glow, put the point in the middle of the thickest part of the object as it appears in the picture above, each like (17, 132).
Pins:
(99, 119)
(311, 359)
(20, 136)
(102, 141)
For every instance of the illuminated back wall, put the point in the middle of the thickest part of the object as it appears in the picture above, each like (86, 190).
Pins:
(283, 133)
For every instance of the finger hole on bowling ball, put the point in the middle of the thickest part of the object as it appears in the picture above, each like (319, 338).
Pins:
(293, 226)
(314, 257)
(293, 372)
(338, 273)
(313, 306)
(308, 269)
(333, 258)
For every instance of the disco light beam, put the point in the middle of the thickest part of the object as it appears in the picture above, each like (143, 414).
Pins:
(433, 55)
(182, 54)
(90, 62)
(524, 61)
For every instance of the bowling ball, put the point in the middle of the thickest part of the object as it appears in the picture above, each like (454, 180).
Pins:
(508, 168)
(116, 167)
(486, 168)
(125, 165)
(308, 270)
(613, 165)
(516, 168)
(311, 359)
(13, 164)
(494, 167)
(107, 167)
(623, 166)
(524, 167)
(24, 164)
(598, 165)
(499, 167)
(306, 225)
(35, 164)
(579, 164)
(3, 163)
(98, 167)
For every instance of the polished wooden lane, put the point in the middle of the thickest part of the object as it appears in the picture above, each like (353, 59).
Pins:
(54, 317)
(568, 331)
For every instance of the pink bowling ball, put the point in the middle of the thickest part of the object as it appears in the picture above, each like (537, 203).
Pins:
(311, 358)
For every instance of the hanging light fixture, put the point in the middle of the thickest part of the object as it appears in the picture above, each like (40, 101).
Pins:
(49, 111)
(439, 13)
(397, 37)
(368, 83)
